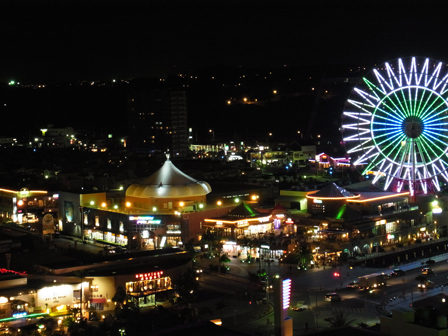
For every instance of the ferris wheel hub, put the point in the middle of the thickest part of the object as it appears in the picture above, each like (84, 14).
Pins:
(413, 127)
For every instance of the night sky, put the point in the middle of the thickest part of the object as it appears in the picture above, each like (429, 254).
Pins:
(50, 41)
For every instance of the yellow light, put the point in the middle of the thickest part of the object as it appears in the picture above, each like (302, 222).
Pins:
(103, 205)
(219, 203)
(275, 91)
(128, 204)
(92, 202)
(20, 203)
(154, 209)
(245, 99)
(181, 204)
(254, 197)
(229, 102)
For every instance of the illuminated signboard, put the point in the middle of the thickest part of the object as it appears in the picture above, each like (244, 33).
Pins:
(286, 293)
(149, 276)
(145, 219)
(58, 295)
(242, 223)
(24, 192)
(21, 314)
(390, 236)
(317, 200)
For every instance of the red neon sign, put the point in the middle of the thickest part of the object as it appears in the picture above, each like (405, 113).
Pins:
(149, 276)
(4, 270)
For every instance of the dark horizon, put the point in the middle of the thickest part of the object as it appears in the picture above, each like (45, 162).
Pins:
(49, 42)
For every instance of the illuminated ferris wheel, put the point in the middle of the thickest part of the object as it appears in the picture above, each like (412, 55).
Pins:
(396, 124)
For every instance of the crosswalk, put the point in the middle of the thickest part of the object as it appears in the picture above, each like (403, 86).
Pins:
(369, 310)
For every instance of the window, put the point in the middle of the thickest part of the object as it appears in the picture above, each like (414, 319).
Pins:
(109, 224)
(97, 220)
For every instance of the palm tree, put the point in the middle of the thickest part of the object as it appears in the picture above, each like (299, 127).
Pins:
(304, 255)
(211, 238)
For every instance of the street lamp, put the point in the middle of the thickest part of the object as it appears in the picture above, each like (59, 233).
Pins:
(213, 134)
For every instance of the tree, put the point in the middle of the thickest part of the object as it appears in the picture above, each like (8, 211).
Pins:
(220, 305)
(304, 255)
(120, 297)
(338, 319)
(211, 238)
(187, 285)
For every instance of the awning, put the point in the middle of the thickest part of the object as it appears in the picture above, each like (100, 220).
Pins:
(98, 300)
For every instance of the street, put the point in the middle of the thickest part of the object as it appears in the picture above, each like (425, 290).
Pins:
(309, 289)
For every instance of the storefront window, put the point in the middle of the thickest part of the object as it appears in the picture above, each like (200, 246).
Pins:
(173, 241)
(109, 224)
(98, 235)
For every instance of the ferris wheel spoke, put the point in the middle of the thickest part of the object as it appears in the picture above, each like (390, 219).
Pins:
(430, 108)
(361, 147)
(390, 117)
(436, 138)
(391, 75)
(421, 100)
(435, 76)
(398, 105)
(436, 116)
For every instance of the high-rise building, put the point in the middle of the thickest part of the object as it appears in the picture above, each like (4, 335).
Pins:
(158, 120)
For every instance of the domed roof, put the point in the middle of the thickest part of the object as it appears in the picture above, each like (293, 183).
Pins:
(168, 182)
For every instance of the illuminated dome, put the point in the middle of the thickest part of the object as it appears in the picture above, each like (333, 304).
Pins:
(168, 182)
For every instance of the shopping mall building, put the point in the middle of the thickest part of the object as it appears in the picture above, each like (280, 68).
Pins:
(167, 208)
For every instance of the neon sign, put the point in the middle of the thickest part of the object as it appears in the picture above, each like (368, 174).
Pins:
(286, 293)
(21, 314)
(149, 276)
(4, 270)
(145, 219)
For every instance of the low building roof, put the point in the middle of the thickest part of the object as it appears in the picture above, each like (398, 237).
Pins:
(332, 191)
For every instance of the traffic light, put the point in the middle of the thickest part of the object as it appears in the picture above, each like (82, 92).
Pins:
(336, 274)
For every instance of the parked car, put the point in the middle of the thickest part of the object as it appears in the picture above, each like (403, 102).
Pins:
(353, 284)
(333, 297)
(427, 270)
(397, 272)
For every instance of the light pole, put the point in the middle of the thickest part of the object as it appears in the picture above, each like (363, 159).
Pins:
(81, 208)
